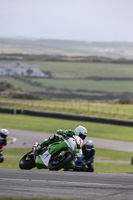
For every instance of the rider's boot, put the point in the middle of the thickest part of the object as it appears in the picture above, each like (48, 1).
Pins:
(70, 166)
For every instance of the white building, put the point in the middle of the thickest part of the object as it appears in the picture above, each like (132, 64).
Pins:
(20, 69)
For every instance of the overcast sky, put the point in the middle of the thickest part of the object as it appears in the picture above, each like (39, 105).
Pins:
(89, 20)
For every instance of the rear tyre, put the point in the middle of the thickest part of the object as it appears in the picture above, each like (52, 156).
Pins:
(27, 161)
(57, 162)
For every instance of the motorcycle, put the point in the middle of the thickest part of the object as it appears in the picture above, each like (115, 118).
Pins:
(55, 156)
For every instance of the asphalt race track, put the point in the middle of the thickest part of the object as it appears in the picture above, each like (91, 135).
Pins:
(26, 139)
(60, 184)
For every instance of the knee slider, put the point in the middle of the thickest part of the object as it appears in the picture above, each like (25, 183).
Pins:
(52, 137)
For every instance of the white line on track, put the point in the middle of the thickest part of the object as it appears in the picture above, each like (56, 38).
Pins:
(72, 183)
(13, 139)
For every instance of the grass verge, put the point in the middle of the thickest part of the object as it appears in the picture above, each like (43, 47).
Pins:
(50, 125)
(12, 160)
(113, 167)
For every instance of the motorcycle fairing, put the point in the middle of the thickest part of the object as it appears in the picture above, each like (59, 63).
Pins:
(43, 160)
(57, 146)
(71, 143)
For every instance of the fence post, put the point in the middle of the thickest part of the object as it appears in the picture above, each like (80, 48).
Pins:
(88, 108)
(47, 104)
(39, 104)
(14, 111)
(117, 110)
(80, 107)
(96, 108)
(70, 106)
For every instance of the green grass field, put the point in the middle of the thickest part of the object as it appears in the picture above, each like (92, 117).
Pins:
(18, 83)
(90, 85)
(82, 70)
(72, 85)
(50, 125)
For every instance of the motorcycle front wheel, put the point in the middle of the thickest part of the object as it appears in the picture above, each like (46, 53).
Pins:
(27, 161)
(57, 162)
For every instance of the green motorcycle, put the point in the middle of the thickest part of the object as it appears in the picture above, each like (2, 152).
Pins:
(54, 157)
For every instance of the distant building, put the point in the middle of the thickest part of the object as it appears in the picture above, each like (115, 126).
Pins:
(21, 69)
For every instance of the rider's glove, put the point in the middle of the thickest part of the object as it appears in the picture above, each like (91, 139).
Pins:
(69, 132)
(60, 131)
(63, 133)
(37, 146)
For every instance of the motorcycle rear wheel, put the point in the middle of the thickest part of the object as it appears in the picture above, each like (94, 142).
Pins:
(57, 162)
(27, 161)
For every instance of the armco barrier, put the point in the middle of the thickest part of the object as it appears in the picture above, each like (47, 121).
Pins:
(10, 110)
(79, 117)
(68, 116)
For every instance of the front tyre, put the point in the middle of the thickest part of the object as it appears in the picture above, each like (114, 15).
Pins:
(27, 161)
(57, 162)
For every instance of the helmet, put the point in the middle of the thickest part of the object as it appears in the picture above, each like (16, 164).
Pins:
(81, 131)
(89, 145)
(4, 133)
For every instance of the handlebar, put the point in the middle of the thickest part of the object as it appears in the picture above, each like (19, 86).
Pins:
(65, 136)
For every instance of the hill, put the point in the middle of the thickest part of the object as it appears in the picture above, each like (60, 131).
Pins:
(66, 48)
(76, 69)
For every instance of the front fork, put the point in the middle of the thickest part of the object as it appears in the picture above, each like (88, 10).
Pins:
(34, 152)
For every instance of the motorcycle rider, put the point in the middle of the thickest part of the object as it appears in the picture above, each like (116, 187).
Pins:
(87, 158)
(3, 142)
(80, 131)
